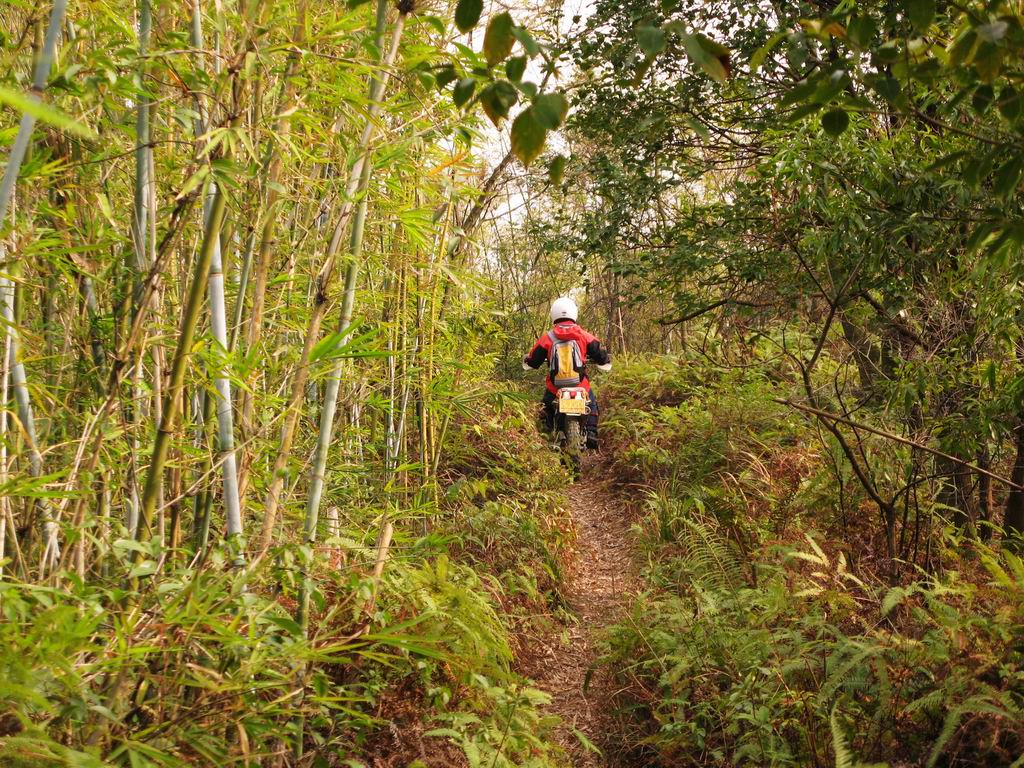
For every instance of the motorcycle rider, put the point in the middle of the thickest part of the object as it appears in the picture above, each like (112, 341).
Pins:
(568, 342)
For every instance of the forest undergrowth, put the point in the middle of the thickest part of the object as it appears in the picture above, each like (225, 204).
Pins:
(773, 630)
(410, 658)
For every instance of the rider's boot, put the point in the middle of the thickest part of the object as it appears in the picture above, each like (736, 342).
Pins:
(592, 443)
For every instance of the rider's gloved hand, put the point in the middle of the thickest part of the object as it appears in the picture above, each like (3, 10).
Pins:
(526, 365)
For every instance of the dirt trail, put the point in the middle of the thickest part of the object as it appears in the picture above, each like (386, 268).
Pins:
(600, 585)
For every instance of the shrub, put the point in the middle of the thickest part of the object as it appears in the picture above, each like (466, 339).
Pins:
(930, 673)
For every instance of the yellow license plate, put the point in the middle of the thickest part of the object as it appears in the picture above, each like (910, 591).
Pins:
(572, 406)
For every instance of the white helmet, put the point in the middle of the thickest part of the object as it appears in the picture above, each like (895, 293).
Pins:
(564, 308)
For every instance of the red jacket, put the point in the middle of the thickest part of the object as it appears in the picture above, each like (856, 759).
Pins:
(589, 346)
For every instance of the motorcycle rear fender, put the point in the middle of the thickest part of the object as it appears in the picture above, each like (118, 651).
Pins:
(574, 392)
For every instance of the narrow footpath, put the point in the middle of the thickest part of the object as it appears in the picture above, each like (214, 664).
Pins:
(601, 583)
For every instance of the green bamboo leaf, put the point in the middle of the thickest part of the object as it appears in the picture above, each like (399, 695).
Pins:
(551, 109)
(46, 112)
(412, 645)
(131, 545)
(143, 569)
(498, 39)
(467, 14)
(991, 374)
(436, 23)
(283, 622)
(349, 344)
(946, 160)
(528, 136)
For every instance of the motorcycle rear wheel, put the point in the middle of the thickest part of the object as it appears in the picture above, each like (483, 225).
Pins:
(573, 447)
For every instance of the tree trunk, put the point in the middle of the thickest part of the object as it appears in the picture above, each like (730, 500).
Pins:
(956, 492)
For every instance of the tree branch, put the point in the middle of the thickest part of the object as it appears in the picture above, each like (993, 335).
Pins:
(897, 438)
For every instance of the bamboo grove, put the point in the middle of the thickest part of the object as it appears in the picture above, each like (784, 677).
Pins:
(246, 199)
(233, 236)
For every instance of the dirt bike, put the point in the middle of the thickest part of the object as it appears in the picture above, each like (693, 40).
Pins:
(572, 405)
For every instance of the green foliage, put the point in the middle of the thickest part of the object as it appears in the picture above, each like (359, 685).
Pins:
(467, 14)
(528, 135)
(752, 647)
(498, 40)
(650, 39)
(757, 674)
(550, 109)
(511, 738)
(521, 538)
(44, 112)
(85, 685)
(855, 181)
(161, 685)
(835, 121)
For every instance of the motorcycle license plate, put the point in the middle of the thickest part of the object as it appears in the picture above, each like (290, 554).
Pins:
(572, 406)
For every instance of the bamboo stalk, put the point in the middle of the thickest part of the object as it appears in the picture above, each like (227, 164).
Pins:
(330, 406)
(203, 501)
(92, 437)
(26, 422)
(218, 326)
(222, 384)
(173, 398)
(186, 334)
(348, 304)
(140, 219)
(7, 315)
